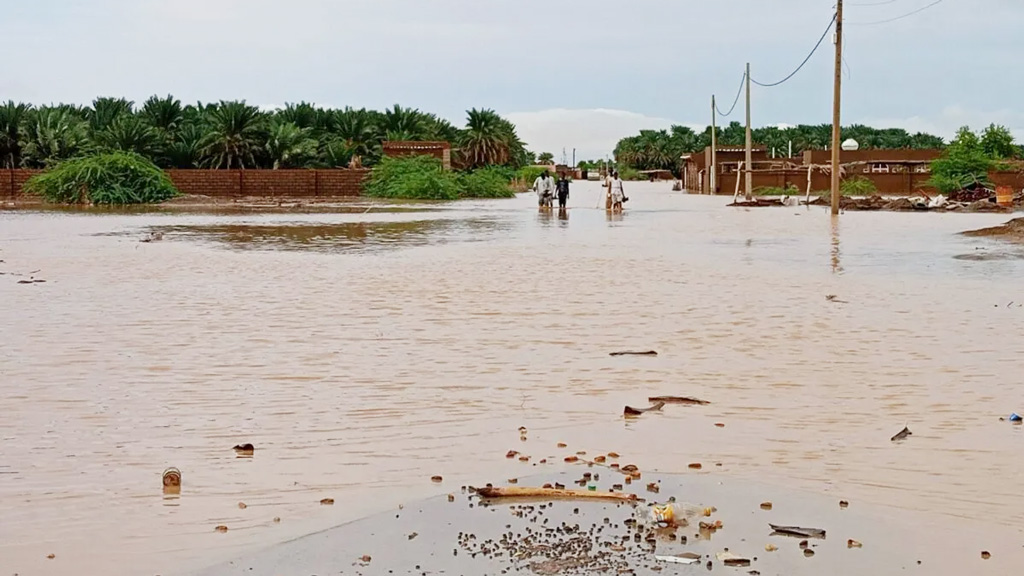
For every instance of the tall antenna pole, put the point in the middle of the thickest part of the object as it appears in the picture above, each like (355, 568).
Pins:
(713, 177)
(750, 177)
(837, 92)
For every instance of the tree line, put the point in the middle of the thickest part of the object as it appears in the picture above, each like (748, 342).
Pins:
(661, 149)
(234, 134)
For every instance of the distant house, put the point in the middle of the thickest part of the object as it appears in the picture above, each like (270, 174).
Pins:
(894, 172)
(403, 148)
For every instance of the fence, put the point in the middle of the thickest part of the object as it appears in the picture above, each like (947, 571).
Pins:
(236, 183)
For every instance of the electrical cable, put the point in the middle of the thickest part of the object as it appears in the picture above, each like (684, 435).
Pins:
(734, 102)
(907, 15)
(815, 49)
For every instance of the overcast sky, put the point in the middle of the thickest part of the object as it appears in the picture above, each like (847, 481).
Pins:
(570, 73)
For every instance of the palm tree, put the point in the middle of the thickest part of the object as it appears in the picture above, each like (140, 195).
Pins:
(356, 130)
(407, 121)
(105, 110)
(185, 150)
(164, 114)
(485, 140)
(50, 134)
(131, 134)
(288, 145)
(439, 129)
(11, 116)
(234, 135)
(302, 115)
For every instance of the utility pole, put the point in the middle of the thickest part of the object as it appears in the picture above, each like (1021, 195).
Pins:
(713, 176)
(837, 92)
(750, 177)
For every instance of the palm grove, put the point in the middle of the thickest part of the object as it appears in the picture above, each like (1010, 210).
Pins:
(234, 134)
(661, 149)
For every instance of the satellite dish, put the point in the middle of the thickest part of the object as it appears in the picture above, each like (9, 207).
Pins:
(850, 145)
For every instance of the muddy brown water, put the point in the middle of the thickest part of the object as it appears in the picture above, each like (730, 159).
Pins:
(363, 354)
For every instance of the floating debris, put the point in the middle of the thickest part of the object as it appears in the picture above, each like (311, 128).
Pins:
(808, 553)
(902, 434)
(985, 555)
(843, 504)
(770, 547)
(511, 454)
(851, 543)
(798, 532)
(730, 559)
(695, 466)
(684, 558)
(244, 449)
(634, 353)
(51, 556)
(172, 481)
(277, 519)
(766, 505)
(630, 411)
(436, 479)
(222, 528)
(242, 506)
(688, 400)
(327, 502)
(525, 492)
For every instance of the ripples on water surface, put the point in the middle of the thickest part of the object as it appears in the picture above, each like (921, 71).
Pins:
(364, 353)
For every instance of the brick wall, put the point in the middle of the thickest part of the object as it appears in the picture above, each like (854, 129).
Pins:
(237, 183)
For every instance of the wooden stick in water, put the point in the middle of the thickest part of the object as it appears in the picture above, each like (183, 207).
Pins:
(527, 492)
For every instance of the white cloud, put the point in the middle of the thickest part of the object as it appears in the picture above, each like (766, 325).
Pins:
(951, 118)
(592, 132)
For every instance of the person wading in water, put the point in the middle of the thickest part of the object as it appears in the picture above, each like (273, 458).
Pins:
(563, 191)
(544, 186)
(618, 195)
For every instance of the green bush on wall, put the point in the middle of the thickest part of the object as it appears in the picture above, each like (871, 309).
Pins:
(116, 178)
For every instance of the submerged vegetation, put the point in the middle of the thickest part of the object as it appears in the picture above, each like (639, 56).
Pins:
(114, 178)
(234, 134)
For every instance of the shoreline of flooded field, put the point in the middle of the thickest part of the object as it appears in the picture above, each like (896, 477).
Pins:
(364, 353)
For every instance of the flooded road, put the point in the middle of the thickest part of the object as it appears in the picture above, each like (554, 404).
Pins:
(363, 353)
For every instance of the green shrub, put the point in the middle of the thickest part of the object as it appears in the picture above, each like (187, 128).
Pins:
(485, 183)
(858, 186)
(115, 178)
(422, 178)
(628, 173)
(529, 173)
(416, 177)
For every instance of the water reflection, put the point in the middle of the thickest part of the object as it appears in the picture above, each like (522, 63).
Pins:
(837, 267)
(563, 217)
(334, 237)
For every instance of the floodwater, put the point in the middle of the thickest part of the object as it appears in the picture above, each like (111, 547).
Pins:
(364, 352)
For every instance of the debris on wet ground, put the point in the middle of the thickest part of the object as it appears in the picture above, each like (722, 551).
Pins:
(1012, 231)
(545, 535)
(686, 400)
(634, 353)
(631, 411)
(684, 558)
(901, 435)
(732, 560)
(797, 531)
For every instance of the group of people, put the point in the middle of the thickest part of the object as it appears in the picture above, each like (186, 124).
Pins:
(547, 188)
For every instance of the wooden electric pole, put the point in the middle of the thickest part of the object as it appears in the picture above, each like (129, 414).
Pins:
(713, 176)
(749, 157)
(837, 92)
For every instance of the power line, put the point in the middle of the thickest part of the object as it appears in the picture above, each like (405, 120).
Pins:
(815, 49)
(907, 15)
(734, 102)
